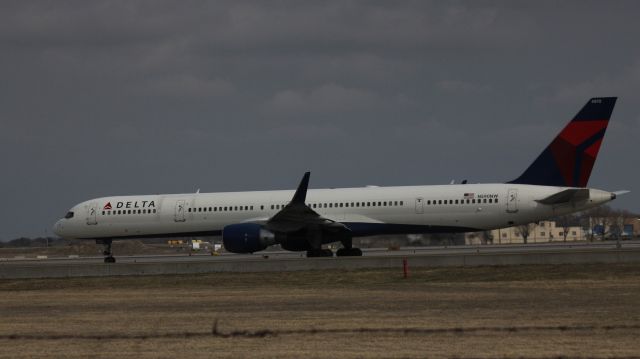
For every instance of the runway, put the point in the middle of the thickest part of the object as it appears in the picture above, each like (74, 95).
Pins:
(366, 252)
(275, 261)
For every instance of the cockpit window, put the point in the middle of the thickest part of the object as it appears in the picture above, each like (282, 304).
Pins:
(68, 215)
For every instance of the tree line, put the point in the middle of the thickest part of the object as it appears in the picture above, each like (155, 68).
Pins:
(602, 222)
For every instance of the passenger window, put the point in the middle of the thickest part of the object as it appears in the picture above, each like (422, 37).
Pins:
(439, 201)
(473, 201)
(495, 201)
(485, 200)
(456, 201)
(401, 203)
(103, 213)
(154, 211)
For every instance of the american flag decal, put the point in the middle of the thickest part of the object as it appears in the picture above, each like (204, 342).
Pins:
(469, 195)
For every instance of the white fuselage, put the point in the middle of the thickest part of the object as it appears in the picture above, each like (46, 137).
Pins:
(368, 211)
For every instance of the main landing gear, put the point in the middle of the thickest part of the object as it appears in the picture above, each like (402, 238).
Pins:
(108, 255)
(319, 253)
(349, 252)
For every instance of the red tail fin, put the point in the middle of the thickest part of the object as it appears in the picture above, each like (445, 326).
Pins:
(568, 160)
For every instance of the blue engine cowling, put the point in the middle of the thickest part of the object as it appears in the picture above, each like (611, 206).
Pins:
(246, 238)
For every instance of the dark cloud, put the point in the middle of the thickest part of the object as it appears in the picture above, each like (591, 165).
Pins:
(124, 97)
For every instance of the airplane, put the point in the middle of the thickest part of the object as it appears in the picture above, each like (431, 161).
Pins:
(306, 219)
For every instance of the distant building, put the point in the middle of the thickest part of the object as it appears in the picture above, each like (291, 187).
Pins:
(542, 232)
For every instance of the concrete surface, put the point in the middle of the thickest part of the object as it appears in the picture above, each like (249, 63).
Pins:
(382, 259)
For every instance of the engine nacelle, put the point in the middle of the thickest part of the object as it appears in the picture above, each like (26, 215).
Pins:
(246, 238)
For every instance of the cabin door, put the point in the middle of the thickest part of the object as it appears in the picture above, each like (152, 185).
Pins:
(92, 214)
(179, 211)
(512, 200)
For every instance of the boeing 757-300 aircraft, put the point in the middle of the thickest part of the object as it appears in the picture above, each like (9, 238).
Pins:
(305, 219)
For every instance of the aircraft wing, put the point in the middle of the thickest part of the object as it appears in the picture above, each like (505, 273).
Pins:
(297, 215)
(566, 196)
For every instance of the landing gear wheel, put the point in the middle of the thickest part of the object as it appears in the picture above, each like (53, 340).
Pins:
(319, 253)
(349, 252)
(108, 255)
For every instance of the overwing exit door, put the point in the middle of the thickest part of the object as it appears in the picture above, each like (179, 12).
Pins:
(419, 205)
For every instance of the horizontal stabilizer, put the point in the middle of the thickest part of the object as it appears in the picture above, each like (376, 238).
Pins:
(566, 196)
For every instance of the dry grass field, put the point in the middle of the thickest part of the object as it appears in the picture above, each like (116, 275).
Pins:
(506, 312)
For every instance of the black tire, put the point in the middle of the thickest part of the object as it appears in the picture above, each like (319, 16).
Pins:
(349, 252)
(319, 253)
(356, 252)
(109, 260)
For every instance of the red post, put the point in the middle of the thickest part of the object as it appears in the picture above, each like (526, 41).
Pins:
(405, 267)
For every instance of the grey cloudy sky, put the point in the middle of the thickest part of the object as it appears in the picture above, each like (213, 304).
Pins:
(134, 97)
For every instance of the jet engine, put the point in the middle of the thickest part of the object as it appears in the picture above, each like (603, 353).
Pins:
(246, 238)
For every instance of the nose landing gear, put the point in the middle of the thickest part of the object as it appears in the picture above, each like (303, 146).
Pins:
(108, 255)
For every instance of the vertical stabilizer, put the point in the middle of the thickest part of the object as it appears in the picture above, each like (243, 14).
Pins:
(568, 160)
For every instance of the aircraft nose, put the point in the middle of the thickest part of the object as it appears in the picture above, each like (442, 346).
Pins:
(58, 228)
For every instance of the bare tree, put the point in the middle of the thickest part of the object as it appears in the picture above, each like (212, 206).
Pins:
(486, 237)
(524, 230)
(598, 221)
(566, 222)
(584, 220)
